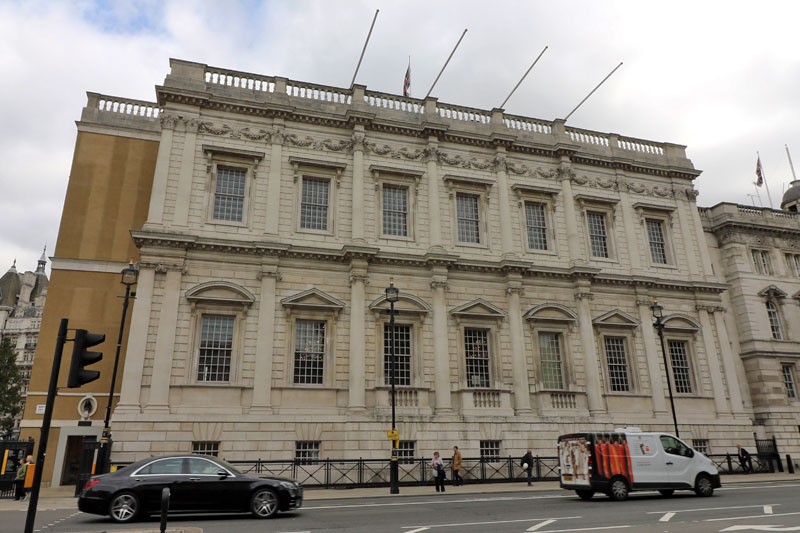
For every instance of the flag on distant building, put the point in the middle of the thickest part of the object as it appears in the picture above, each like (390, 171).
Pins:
(407, 81)
(759, 173)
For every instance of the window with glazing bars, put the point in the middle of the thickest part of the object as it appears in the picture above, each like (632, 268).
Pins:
(468, 218)
(597, 234)
(761, 262)
(476, 346)
(788, 380)
(550, 352)
(306, 452)
(701, 445)
(490, 449)
(793, 264)
(395, 210)
(537, 226)
(774, 321)
(402, 354)
(229, 194)
(314, 204)
(617, 364)
(205, 447)
(658, 246)
(216, 347)
(309, 351)
(406, 451)
(681, 373)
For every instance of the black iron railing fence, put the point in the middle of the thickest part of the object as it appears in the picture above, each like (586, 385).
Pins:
(375, 472)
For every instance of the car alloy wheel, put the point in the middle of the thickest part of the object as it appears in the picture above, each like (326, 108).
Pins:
(124, 507)
(264, 503)
(703, 486)
(618, 490)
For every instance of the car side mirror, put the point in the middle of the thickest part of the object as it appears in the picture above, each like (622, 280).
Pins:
(222, 473)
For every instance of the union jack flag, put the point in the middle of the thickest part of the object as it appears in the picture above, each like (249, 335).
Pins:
(407, 81)
(759, 173)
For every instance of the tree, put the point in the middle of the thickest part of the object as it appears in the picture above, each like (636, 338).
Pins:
(10, 387)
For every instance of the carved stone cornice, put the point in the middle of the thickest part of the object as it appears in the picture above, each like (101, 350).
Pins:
(269, 274)
(518, 290)
(163, 268)
(358, 141)
(359, 278)
(709, 308)
(439, 284)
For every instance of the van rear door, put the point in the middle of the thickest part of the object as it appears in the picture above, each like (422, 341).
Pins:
(573, 458)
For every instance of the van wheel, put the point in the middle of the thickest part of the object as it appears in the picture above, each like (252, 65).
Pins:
(703, 486)
(618, 490)
(585, 494)
(667, 492)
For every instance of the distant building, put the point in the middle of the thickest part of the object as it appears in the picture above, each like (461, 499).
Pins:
(22, 298)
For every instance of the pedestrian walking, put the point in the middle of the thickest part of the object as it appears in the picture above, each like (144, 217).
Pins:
(437, 465)
(19, 480)
(457, 467)
(744, 459)
(527, 464)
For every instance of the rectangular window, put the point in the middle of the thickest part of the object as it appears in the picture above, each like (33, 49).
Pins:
(306, 452)
(309, 351)
(490, 449)
(395, 210)
(788, 380)
(658, 246)
(476, 346)
(537, 226)
(617, 364)
(402, 354)
(701, 445)
(229, 194)
(793, 264)
(761, 262)
(550, 351)
(774, 321)
(314, 204)
(681, 372)
(468, 218)
(406, 452)
(597, 234)
(205, 447)
(216, 347)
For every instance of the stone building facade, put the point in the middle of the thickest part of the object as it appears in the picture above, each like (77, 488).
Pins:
(22, 298)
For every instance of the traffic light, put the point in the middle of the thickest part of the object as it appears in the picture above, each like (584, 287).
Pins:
(81, 357)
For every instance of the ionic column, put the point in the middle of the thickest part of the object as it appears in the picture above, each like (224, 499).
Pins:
(652, 351)
(434, 211)
(565, 175)
(158, 194)
(728, 362)
(522, 395)
(441, 351)
(265, 345)
(130, 393)
(705, 257)
(358, 281)
(184, 193)
(633, 224)
(505, 205)
(714, 366)
(274, 179)
(165, 340)
(592, 370)
(358, 184)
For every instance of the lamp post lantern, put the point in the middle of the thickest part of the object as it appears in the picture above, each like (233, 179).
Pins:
(129, 277)
(658, 314)
(392, 295)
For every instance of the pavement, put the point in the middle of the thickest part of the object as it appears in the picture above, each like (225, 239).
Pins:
(52, 498)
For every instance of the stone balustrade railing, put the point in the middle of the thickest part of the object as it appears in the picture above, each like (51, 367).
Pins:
(563, 400)
(489, 399)
(728, 212)
(123, 106)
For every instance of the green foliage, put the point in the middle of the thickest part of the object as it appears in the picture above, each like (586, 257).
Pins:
(10, 387)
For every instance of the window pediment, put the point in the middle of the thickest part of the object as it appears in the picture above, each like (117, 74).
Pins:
(478, 308)
(313, 299)
(406, 304)
(616, 318)
(220, 292)
(556, 314)
(773, 292)
(681, 322)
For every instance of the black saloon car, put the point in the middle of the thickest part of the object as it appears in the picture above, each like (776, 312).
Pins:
(197, 484)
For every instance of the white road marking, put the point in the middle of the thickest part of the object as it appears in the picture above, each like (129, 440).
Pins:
(767, 509)
(540, 525)
(418, 530)
(747, 517)
(493, 522)
(666, 517)
(434, 502)
(761, 528)
(707, 509)
(587, 529)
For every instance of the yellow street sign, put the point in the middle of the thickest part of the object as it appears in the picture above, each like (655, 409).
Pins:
(392, 434)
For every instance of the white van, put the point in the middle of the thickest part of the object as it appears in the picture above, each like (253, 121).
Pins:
(628, 459)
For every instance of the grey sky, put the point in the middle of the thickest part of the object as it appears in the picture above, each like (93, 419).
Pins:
(719, 77)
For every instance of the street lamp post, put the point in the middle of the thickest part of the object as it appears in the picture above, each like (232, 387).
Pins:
(129, 277)
(392, 295)
(658, 314)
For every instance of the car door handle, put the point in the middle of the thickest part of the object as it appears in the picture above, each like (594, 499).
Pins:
(194, 479)
(669, 464)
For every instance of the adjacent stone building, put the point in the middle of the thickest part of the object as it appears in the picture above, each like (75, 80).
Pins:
(272, 215)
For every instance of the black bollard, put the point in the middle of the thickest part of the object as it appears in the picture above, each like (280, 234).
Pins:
(789, 464)
(164, 508)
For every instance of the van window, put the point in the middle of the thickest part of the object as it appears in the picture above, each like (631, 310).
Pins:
(675, 447)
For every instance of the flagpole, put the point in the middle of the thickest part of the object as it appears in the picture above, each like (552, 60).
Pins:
(365, 48)
(794, 176)
(766, 185)
(523, 78)
(760, 202)
(446, 62)
(593, 90)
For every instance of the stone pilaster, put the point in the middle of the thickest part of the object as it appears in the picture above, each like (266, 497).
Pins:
(705, 257)
(440, 345)
(728, 363)
(165, 340)
(505, 205)
(265, 345)
(358, 281)
(358, 184)
(565, 175)
(184, 192)
(714, 365)
(633, 226)
(592, 368)
(158, 194)
(652, 351)
(522, 395)
(137, 343)
(274, 180)
(434, 210)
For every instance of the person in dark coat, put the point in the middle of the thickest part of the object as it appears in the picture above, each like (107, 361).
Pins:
(527, 464)
(457, 467)
(19, 480)
(745, 460)
(437, 465)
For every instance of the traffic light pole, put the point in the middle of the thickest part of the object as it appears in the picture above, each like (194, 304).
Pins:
(48, 414)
